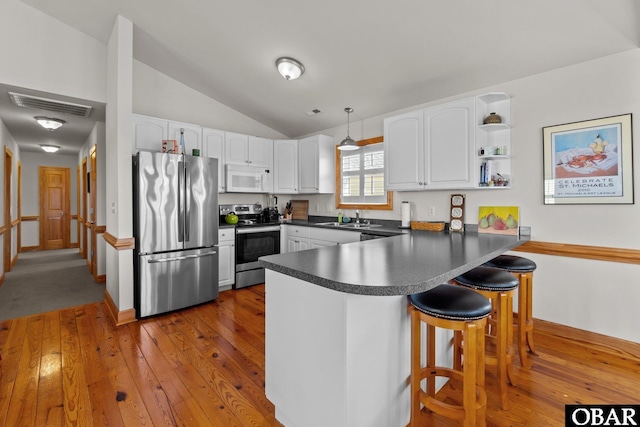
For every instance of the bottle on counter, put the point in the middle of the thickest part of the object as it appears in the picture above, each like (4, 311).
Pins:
(339, 216)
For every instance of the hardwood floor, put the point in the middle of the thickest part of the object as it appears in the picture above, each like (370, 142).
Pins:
(204, 366)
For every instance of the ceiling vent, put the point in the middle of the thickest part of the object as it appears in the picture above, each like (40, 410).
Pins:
(28, 101)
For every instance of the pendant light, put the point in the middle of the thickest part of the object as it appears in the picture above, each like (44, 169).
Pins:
(348, 144)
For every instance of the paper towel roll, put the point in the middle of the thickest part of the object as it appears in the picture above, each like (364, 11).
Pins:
(406, 214)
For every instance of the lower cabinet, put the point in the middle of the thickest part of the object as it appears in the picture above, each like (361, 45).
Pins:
(226, 257)
(299, 238)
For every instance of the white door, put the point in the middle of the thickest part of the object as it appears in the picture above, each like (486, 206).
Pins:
(403, 155)
(308, 163)
(449, 144)
(192, 136)
(260, 151)
(236, 149)
(148, 133)
(285, 166)
(213, 146)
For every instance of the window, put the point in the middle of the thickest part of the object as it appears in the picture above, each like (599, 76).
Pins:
(360, 177)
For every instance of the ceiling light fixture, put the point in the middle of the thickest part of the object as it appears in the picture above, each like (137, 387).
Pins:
(348, 144)
(49, 148)
(289, 68)
(49, 123)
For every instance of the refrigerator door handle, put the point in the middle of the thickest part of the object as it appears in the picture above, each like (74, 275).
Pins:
(187, 201)
(180, 258)
(181, 202)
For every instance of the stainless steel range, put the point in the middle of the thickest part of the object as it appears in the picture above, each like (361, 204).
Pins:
(257, 235)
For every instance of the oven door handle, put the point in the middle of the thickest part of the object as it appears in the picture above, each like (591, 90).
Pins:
(253, 230)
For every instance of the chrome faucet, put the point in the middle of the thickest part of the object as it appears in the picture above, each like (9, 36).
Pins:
(357, 216)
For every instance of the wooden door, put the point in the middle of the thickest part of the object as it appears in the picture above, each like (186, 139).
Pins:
(92, 211)
(54, 206)
(7, 209)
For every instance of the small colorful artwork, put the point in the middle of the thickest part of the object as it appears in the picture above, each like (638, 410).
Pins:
(169, 146)
(499, 219)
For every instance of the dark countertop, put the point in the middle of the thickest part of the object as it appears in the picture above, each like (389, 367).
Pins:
(400, 265)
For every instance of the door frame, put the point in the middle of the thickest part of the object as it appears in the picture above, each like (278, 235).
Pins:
(42, 170)
(8, 166)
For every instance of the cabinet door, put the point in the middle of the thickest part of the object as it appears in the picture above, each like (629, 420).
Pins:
(236, 149)
(404, 151)
(285, 166)
(213, 146)
(308, 164)
(449, 144)
(148, 133)
(226, 264)
(260, 152)
(192, 135)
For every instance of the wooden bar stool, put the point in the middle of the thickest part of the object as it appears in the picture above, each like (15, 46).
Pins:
(523, 269)
(499, 286)
(463, 311)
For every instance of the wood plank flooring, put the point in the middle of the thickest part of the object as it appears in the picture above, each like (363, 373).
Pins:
(204, 366)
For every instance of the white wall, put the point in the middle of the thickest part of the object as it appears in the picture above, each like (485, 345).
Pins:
(31, 163)
(158, 95)
(591, 295)
(42, 53)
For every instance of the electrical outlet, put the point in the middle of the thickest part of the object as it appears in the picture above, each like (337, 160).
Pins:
(432, 211)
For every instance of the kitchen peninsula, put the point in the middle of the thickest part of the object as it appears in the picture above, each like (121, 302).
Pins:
(337, 329)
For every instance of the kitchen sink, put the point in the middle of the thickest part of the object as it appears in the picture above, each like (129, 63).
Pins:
(331, 224)
(361, 225)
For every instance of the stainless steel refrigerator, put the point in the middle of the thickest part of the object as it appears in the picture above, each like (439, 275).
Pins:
(176, 231)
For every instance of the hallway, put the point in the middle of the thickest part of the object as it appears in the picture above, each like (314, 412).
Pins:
(47, 280)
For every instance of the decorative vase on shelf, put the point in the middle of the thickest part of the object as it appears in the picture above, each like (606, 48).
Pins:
(492, 119)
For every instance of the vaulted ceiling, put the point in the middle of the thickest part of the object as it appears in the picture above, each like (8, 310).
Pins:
(373, 56)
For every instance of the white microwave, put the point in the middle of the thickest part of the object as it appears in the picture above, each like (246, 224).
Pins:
(248, 179)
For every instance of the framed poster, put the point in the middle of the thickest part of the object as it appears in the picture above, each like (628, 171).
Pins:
(589, 162)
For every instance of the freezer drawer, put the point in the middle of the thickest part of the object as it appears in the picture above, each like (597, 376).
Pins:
(175, 280)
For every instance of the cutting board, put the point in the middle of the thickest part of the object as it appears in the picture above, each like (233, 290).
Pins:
(300, 209)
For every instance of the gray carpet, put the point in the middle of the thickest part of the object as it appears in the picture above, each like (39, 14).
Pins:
(47, 280)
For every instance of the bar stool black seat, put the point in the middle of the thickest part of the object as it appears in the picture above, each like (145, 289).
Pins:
(499, 286)
(465, 312)
(523, 269)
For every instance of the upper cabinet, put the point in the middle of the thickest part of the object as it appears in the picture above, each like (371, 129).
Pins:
(305, 166)
(213, 146)
(316, 164)
(285, 166)
(248, 150)
(192, 135)
(148, 133)
(437, 147)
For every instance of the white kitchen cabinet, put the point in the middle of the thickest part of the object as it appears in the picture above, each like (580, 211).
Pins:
(431, 148)
(226, 257)
(213, 146)
(148, 133)
(438, 148)
(285, 166)
(316, 165)
(319, 237)
(248, 150)
(404, 151)
(306, 166)
(294, 238)
(449, 145)
(192, 135)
